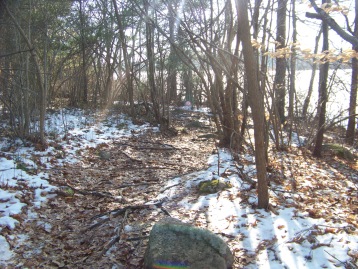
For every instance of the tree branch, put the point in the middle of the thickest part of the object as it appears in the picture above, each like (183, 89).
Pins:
(322, 15)
(13, 53)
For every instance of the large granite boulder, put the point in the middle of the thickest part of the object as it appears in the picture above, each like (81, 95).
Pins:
(174, 244)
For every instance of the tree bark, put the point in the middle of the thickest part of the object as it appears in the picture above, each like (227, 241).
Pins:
(353, 96)
(292, 89)
(84, 57)
(40, 80)
(127, 66)
(350, 133)
(322, 99)
(172, 59)
(149, 32)
(256, 101)
(280, 76)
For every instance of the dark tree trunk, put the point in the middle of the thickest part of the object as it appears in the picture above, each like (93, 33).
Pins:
(84, 57)
(127, 65)
(39, 77)
(149, 31)
(322, 99)
(280, 76)
(352, 103)
(256, 101)
(353, 97)
(173, 59)
(292, 90)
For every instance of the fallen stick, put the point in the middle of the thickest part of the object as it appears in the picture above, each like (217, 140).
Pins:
(116, 212)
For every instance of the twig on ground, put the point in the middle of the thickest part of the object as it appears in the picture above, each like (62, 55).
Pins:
(116, 212)
(136, 185)
(88, 192)
(165, 146)
(243, 176)
(346, 264)
(115, 239)
(169, 187)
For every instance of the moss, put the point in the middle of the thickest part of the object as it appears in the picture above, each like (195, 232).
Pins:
(22, 166)
(194, 233)
(213, 186)
(122, 126)
(339, 151)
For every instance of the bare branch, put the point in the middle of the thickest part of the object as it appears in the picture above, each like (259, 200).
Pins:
(322, 15)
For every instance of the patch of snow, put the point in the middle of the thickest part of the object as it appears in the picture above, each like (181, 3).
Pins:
(5, 251)
(71, 130)
(289, 239)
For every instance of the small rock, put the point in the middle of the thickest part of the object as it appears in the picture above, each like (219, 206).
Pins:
(105, 155)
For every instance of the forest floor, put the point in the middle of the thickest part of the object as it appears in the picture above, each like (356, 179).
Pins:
(91, 198)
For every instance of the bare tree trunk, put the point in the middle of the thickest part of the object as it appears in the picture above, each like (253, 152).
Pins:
(172, 60)
(84, 59)
(353, 97)
(38, 75)
(322, 99)
(352, 103)
(293, 72)
(149, 31)
(256, 102)
(127, 65)
(280, 76)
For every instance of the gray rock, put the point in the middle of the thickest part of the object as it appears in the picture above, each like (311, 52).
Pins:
(105, 155)
(174, 244)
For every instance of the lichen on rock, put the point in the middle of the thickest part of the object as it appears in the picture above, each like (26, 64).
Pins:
(213, 186)
(174, 243)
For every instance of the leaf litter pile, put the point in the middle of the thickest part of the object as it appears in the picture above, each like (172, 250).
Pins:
(91, 198)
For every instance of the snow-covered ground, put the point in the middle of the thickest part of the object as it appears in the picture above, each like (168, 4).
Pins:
(22, 168)
(288, 239)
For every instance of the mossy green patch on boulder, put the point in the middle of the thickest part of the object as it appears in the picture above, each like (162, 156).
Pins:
(213, 186)
(174, 244)
(339, 151)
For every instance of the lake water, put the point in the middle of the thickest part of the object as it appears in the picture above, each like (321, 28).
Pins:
(339, 91)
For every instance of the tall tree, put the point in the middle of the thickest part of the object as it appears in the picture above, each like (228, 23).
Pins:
(280, 75)
(172, 59)
(292, 89)
(354, 81)
(127, 65)
(322, 91)
(40, 79)
(149, 32)
(83, 47)
(256, 102)
(352, 38)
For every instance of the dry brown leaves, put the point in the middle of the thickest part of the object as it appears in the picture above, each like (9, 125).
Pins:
(78, 228)
(323, 188)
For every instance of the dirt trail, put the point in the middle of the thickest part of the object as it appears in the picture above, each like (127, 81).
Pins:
(75, 229)
(100, 217)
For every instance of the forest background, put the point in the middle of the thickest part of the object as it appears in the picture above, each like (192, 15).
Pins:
(285, 69)
(93, 54)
